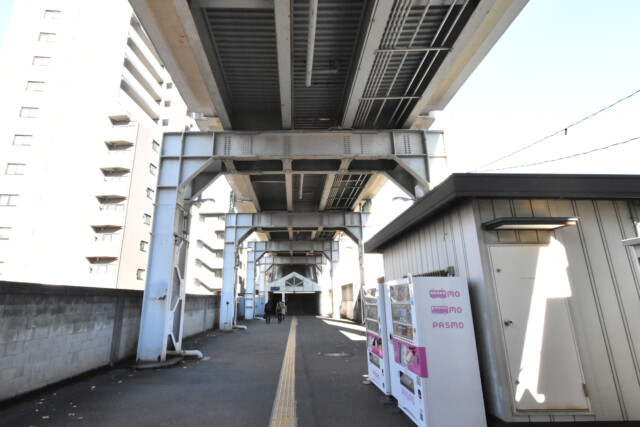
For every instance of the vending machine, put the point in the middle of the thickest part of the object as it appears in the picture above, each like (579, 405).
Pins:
(433, 358)
(377, 338)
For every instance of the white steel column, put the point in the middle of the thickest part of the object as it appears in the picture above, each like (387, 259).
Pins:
(249, 295)
(164, 288)
(186, 168)
(237, 228)
(336, 293)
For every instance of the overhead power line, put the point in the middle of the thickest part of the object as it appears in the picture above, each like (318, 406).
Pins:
(563, 130)
(565, 157)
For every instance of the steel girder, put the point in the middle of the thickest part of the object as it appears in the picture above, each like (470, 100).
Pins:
(239, 226)
(327, 248)
(404, 156)
(292, 260)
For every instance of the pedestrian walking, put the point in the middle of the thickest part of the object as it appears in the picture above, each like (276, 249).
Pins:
(279, 311)
(267, 311)
(284, 309)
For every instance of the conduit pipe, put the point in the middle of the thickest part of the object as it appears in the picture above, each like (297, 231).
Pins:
(311, 39)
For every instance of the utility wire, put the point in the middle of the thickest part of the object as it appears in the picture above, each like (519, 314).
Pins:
(565, 157)
(564, 129)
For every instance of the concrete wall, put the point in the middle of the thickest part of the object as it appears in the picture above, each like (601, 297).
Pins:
(51, 333)
(604, 277)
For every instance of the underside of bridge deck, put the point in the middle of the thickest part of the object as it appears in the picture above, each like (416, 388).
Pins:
(314, 105)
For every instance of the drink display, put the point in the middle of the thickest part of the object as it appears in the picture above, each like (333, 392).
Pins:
(433, 358)
(377, 341)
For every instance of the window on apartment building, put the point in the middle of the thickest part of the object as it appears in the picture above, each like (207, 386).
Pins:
(5, 233)
(146, 218)
(15, 169)
(52, 14)
(150, 193)
(22, 140)
(144, 246)
(29, 112)
(114, 178)
(111, 203)
(217, 273)
(41, 61)
(153, 168)
(46, 37)
(103, 268)
(167, 103)
(156, 147)
(8, 199)
(165, 122)
(112, 207)
(107, 237)
(33, 86)
(169, 85)
(101, 265)
(140, 274)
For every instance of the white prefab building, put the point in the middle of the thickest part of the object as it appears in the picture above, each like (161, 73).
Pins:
(554, 282)
(85, 101)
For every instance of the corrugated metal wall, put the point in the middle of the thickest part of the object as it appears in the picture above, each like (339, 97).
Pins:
(605, 282)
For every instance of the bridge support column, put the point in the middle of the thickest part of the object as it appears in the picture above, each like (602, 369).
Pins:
(249, 296)
(163, 301)
(336, 293)
(186, 168)
(237, 228)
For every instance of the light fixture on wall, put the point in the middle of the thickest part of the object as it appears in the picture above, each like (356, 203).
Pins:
(529, 223)
(633, 243)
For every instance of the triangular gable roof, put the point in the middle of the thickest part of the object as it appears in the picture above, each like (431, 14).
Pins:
(295, 282)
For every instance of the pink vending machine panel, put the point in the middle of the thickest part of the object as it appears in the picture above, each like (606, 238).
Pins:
(411, 356)
(374, 344)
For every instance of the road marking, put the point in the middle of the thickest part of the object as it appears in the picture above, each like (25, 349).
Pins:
(284, 406)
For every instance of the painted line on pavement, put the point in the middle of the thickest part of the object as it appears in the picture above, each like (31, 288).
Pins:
(283, 413)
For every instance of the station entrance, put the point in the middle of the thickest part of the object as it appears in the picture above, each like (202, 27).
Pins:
(300, 304)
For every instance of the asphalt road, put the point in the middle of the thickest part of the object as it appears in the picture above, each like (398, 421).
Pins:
(234, 385)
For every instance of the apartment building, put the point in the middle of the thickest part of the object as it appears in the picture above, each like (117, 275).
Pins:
(206, 242)
(85, 102)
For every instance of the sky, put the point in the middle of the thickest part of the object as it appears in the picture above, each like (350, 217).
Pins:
(558, 62)
(5, 12)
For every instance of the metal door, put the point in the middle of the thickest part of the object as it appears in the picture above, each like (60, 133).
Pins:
(533, 290)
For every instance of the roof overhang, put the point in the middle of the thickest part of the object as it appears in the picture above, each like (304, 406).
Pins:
(460, 187)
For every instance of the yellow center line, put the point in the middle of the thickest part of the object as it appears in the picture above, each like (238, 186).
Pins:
(284, 406)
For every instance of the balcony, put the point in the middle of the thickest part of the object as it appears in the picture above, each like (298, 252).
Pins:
(108, 218)
(101, 249)
(144, 54)
(122, 135)
(133, 63)
(208, 258)
(118, 159)
(139, 95)
(114, 187)
(120, 116)
(208, 277)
